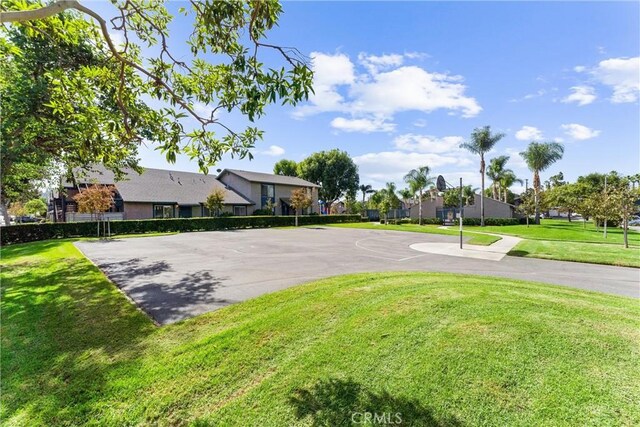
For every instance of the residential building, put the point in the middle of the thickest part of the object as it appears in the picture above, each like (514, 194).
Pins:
(264, 187)
(434, 208)
(158, 193)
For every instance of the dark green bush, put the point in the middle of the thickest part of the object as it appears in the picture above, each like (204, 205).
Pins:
(491, 221)
(31, 232)
(262, 212)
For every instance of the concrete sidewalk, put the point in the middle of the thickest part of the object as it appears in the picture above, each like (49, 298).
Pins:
(494, 252)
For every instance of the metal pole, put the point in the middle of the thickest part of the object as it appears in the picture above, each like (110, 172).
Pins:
(606, 200)
(526, 192)
(460, 213)
(109, 226)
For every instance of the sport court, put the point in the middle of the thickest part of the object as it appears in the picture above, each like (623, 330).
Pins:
(175, 277)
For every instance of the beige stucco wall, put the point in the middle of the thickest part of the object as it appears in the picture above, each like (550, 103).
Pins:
(492, 209)
(253, 192)
(135, 210)
(428, 208)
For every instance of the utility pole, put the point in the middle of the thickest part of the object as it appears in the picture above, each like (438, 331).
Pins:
(606, 201)
(460, 213)
(526, 192)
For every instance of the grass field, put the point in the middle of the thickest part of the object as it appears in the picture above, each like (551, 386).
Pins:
(474, 238)
(553, 239)
(596, 253)
(575, 231)
(439, 349)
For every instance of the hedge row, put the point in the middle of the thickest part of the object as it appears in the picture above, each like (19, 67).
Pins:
(22, 233)
(472, 221)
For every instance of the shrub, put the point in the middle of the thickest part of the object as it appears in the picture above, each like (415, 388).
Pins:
(31, 232)
(492, 221)
(261, 212)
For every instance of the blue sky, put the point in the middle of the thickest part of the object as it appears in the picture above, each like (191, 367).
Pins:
(400, 85)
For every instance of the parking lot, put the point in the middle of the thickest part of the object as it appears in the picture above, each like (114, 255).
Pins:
(174, 277)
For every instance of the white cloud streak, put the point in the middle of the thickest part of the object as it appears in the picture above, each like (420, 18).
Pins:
(579, 132)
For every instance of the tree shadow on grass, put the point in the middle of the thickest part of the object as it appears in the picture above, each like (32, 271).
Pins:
(64, 329)
(337, 402)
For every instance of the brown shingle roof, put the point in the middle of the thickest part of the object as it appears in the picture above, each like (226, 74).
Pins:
(269, 178)
(159, 185)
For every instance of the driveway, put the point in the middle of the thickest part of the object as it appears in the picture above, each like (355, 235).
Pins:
(179, 276)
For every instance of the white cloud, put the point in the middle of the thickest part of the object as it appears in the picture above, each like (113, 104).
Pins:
(385, 88)
(329, 72)
(420, 123)
(393, 165)
(582, 95)
(274, 151)
(515, 159)
(579, 68)
(529, 133)
(579, 132)
(203, 109)
(375, 63)
(362, 125)
(117, 38)
(622, 75)
(428, 144)
(528, 96)
(416, 55)
(412, 88)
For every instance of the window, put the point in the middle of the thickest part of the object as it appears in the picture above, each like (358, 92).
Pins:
(268, 192)
(239, 210)
(163, 211)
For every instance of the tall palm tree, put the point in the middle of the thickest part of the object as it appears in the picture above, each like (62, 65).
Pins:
(495, 172)
(506, 181)
(366, 189)
(482, 141)
(538, 157)
(418, 180)
(407, 196)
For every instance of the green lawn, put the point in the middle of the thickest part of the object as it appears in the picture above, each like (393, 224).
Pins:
(439, 349)
(579, 252)
(575, 231)
(474, 238)
(553, 239)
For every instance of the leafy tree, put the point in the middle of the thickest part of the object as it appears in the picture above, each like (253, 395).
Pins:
(215, 201)
(555, 181)
(567, 198)
(482, 141)
(539, 156)
(495, 172)
(451, 197)
(286, 167)
(388, 199)
(334, 171)
(418, 180)
(407, 196)
(527, 205)
(507, 179)
(365, 189)
(623, 199)
(95, 200)
(300, 200)
(17, 210)
(36, 207)
(71, 94)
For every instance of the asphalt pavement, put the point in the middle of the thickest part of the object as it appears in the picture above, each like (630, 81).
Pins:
(179, 276)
